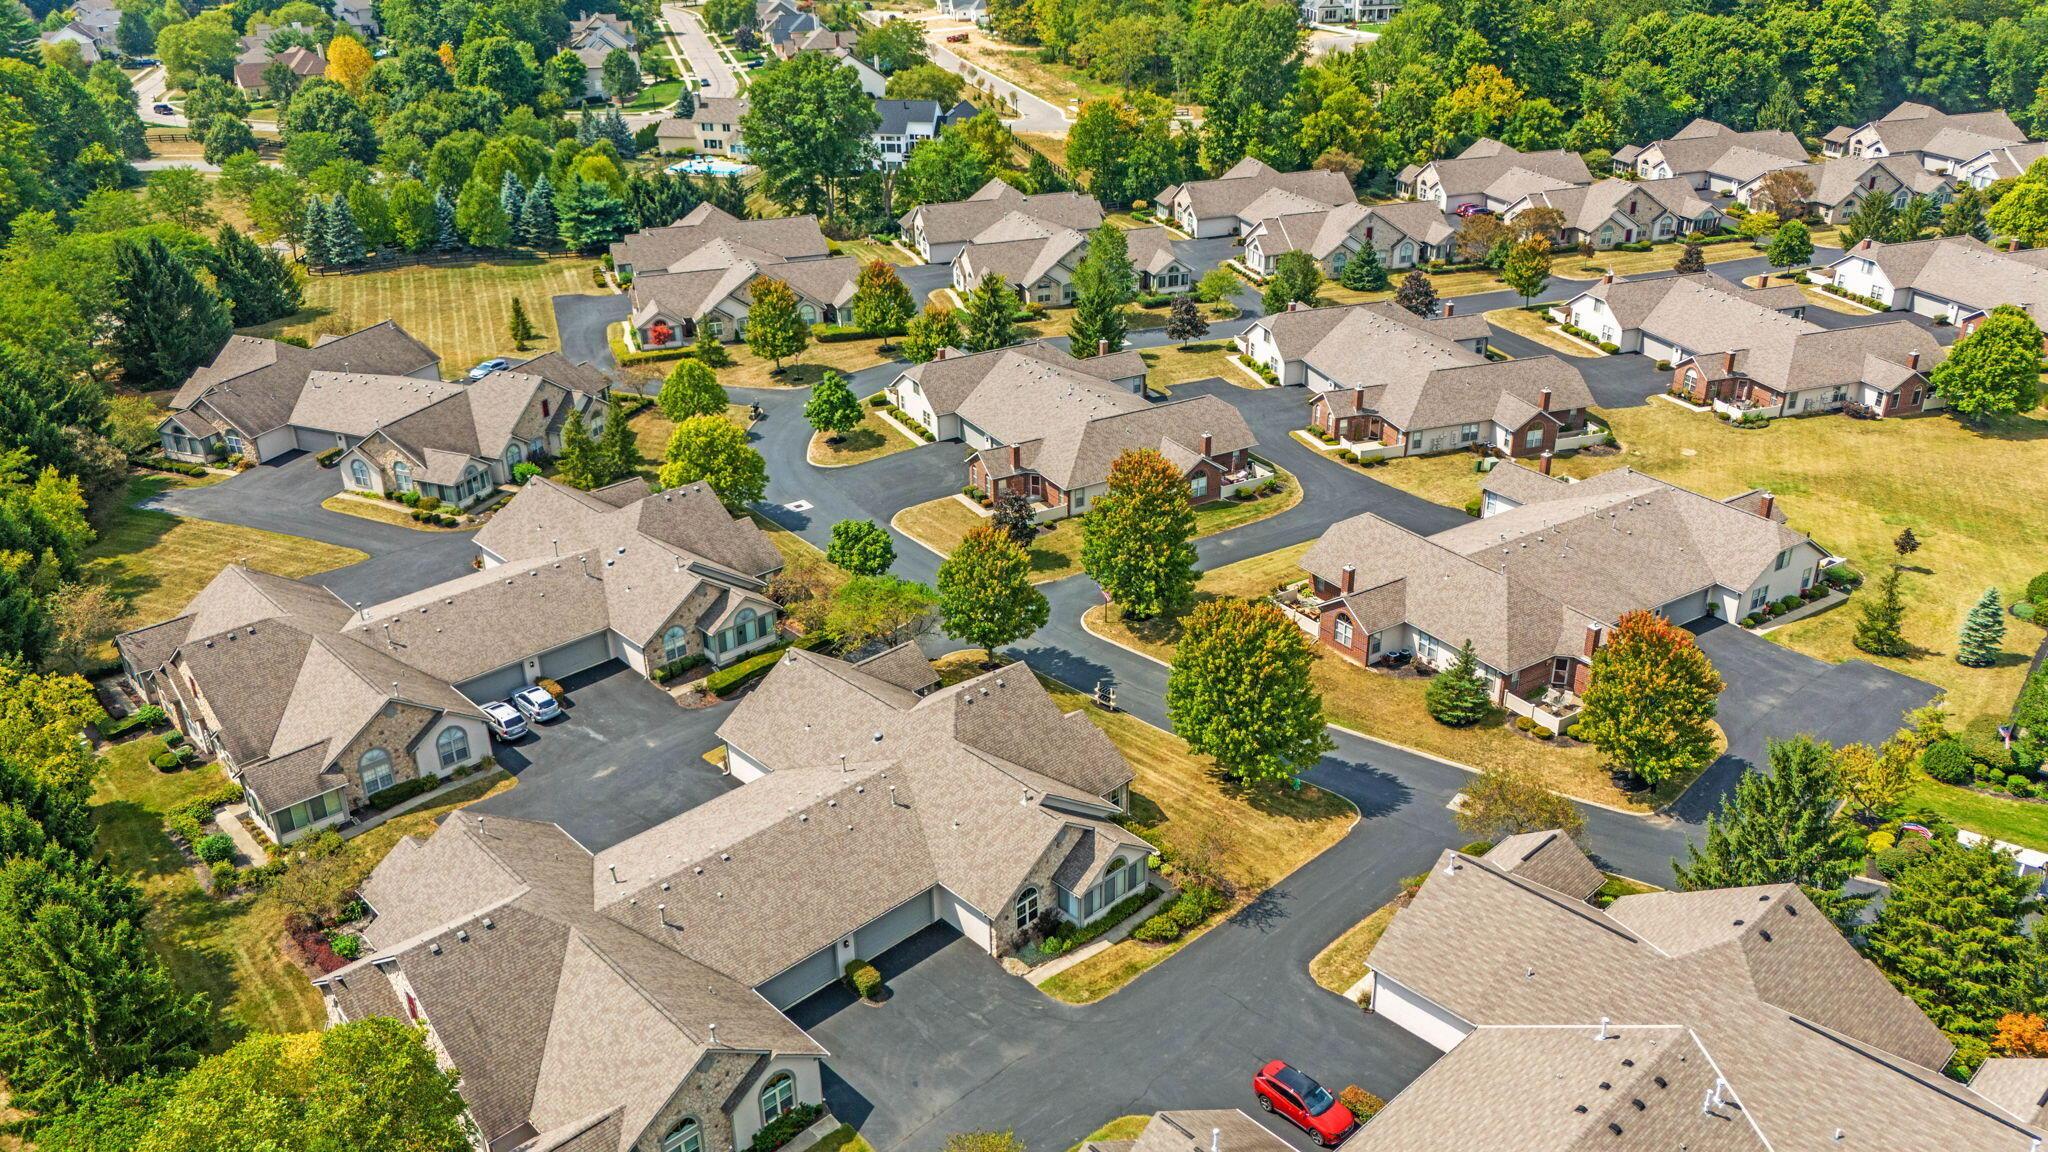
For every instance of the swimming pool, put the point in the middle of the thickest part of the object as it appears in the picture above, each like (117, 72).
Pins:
(707, 166)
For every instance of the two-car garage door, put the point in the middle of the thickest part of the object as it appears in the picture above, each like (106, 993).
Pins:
(555, 663)
(869, 941)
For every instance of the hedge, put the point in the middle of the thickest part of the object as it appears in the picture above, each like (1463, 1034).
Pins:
(756, 666)
(166, 464)
(404, 790)
(1069, 936)
(786, 1127)
(863, 978)
(838, 333)
(328, 457)
(627, 403)
(676, 668)
(147, 716)
(1187, 911)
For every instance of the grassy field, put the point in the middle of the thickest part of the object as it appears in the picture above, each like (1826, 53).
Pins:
(383, 511)
(1342, 964)
(1389, 705)
(157, 561)
(459, 309)
(656, 96)
(229, 949)
(1058, 84)
(1539, 329)
(869, 251)
(1255, 836)
(1999, 817)
(1174, 365)
(873, 439)
(941, 524)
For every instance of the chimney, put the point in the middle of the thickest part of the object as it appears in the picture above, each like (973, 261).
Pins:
(1208, 444)
(1607, 277)
(1543, 400)
(1769, 505)
(1358, 399)
(1450, 308)
(1543, 463)
(1102, 347)
(1015, 463)
(1349, 579)
(1295, 306)
(1913, 361)
(1592, 640)
(1863, 245)
(939, 355)
(1727, 363)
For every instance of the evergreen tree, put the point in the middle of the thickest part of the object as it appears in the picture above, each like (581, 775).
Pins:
(1693, 259)
(1950, 935)
(1879, 631)
(1776, 827)
(446, 237)
(1994, 370)
(518, 326)
(1650, 700)
(1138, 539)
(589, 215)
(706, 349)
(1042, 176)
(537, 215)
(1103, 283)
(313, 233)
(882, 305)
(1458, 696)
(512, 202)
(833, 409)
(344, 237)
(775, 326)
(1873, 219)
(1364, 272)
(618, 450)
(991, 315)
(1296, 280)
(1241, 690)
(1184, 320)
(861, 547)
(1906, 543)
(985, 592)
(580, 465)
(1983, 632)
(258, 284)
(1416, 293)
(691, 389)
(1964, 215)
(616, 131)
(166, 323)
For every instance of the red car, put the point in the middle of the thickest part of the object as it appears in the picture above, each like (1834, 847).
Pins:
(1285, 1089)
(957, 38)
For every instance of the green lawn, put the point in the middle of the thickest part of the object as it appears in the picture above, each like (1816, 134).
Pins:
(656, 96)
(460, 309)
(1342, 964)
(158, 561)
(1999, 817)
(871, 440)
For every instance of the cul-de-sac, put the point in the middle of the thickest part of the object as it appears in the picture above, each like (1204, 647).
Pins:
(1023, 576)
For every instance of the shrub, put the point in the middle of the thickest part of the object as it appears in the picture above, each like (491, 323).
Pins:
(346, 945)
(215, 848)
(524, 470)
(1610, 347)
(1948, 761)
(1902, 856)
(328, 457)
(1990, 758)
(1842, 576)
(166, 464)
(1788, 603)
(2037, 589)
(2024, 609)
(224, 877)
(148, 716)
(1527, 725)
(672, 670)
(1879, 841)
(1477, 848)
(402, 791)
(1474, 505)
(174, 739)
(1346, 455)
(1053, 946)
(1663, 365)
(552, 687)
(166, 761)
(2018, 781)
(1542, 733)
(863, 978)
(785, 1127)
(1361, 1104)
(429, 503)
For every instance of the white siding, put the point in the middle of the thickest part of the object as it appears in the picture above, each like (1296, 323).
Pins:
(744, 768)
(1417, 1014)
(962, 915)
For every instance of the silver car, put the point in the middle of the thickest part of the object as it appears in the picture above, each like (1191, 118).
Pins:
(505, 720)
(535, 704)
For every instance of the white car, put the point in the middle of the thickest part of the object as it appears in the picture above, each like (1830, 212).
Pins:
(535, 704)
(504, 720)
(494, 364)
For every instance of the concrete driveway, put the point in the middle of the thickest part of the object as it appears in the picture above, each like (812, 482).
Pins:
(622, 759)
(1774, 692)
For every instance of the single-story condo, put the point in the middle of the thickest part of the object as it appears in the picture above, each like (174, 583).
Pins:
(1954, 279)
(1669, 318)
(1711, 156)
(940, 231)
(1402, 234)
(1233, 204)
(1614, 211)
(1842, 186)
(1490, 175)
(1040, 260)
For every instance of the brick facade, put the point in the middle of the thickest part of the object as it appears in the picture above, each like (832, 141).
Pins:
(395, 729)
(702, 1097)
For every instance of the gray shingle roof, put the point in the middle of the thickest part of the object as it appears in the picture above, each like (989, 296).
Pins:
(1234, 191)
(787, 237)
(1549, 858)
(960, 220)
(1190, 1130)
(1706, 146)
(253, 383)
(1963, 269)
(1913, 127)
(1486, 163)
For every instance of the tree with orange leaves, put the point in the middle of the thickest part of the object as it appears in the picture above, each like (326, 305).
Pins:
(1649, 705)
(2021, 1034)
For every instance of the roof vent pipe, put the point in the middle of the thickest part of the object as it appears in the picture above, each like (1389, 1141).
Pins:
(1603, 1030)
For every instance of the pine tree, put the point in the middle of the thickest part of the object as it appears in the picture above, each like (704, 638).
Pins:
(580, 465)
(1951, 936)
(775, 326)
(166, 322)
(1906, 544)
(616, 131)
(991, 320)
(1241, 690)
(314, 233)
(1042, 176)
(258, 284)
(706, 349)
(1693, 259)
(1138, 539)
(518, 326)
(1650, 700)
(833, 410)
(512, 201)
(1103, 283)
(1776, 827)
(691, 389)
(1296, 280)
(985, 591)
(344, 237)
(1964, 215)
(1983, 632)
(1879, 632)
(1416, 294)
(1457, 696)
(537, 216)
(618, 450)
(446, 237)
(1184, 320)
(1874, 219)
(1365, 272)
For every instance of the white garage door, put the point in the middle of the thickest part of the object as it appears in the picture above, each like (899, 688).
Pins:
(799, 981)
(1686, 609)
(960, 914)
(574, 657)
(314, 440)
(494, 685)
(892, 927)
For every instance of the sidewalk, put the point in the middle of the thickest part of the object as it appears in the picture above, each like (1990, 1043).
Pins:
(250, 851)
(1059, 964)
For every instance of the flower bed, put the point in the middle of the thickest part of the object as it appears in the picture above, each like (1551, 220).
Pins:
(1068, 935)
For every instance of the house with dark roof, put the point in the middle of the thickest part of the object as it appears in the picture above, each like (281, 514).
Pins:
(1727, 1019)
(1953, 279)
(1047, 426)
(1938, 141)
(632, 998)
(907, 123)
(241, 402)
(257, 56)
(1233, 204)
(940, 231)
(1538, 582)
(1711, 156)
(1491, 175)
(316, 705)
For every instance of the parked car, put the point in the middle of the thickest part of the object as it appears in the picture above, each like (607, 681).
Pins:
(535, 704)
(505, 721)
(957, 38)
(1467, 211)
(163, 109)
(1292, 1093)
(485, 368)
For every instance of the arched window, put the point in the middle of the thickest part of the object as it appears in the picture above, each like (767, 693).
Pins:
(515, 452)
(675, 644)
(809, 314)
(684, 1137)
(1027, 908)
(778, 1097)
(1406, 254)
(375, 768)
(453, 745)
(743, 624)
(359, 473)
(401, 472)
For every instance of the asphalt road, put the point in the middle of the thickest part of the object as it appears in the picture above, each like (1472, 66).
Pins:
(704, 57)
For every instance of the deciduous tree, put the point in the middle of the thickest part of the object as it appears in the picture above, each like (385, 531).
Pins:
(862, 547)
(807, 128)
(1241, 691)
(1874, 780)
(1792, 244)
(929, 332)
(1416, 293)
(1649, 704)
(620, 76)
(775, 327)
(1504, 801)
(1138, 539)
(985, 591)
(1296, 280)
(714, 450)
(1184, 320)
(833, 408)
(882, 304)
(349, 63)
(871, 609)
(1994, 370)
(691, 389)
(1527, 268)
(1012, 513)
